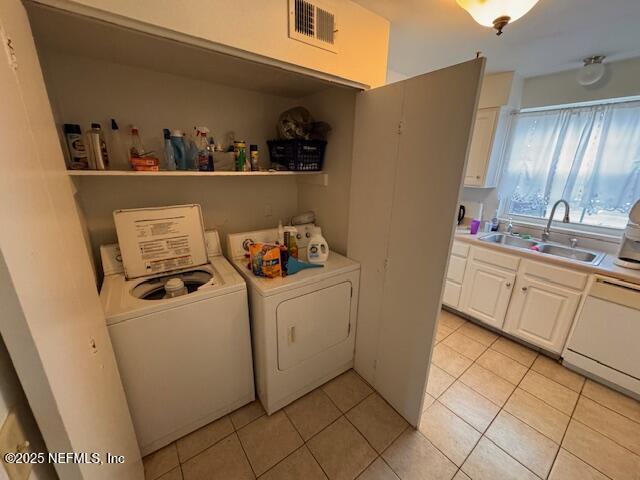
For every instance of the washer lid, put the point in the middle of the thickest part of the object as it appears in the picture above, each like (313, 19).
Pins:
(159, 240)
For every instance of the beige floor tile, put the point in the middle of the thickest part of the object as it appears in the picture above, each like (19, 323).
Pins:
(502, 366)
(488, 384)
(268, 440)
(528, 446)
(413, 457)
(451, 320)
(175, 474)
(449, 360)
(556, 395)
(160, 462)
(377, 421)
(442, 332)
(203, 438)
(427, 401)
(378, 470)
(438, 381)
(448, 432)
(347, 390)
(616, 401)
(222, 461)
(537, 414)
(601, 453)
(464, 345)
(556, 372)
(479, 334)
(515, 351)
(461, 476)
(299, 465)
(569, 467)
(341, 451)
(312, 413)
(488, 462)
(247, 414)
(469, 405)
(609, 423)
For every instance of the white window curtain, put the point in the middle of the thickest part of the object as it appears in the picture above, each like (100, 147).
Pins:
(590, 156)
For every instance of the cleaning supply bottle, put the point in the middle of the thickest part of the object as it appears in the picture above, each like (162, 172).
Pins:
(192, 150)
(179, 149)
(97, 147)
(203, 149)
(318, 248)
(210, 152)
(136, 149)
(290, 241)
(169, 154)
(78, 156)
(118, 155)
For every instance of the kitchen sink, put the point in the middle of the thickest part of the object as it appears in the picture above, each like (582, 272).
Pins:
(586, 256)
(508, 240)
(572, 253)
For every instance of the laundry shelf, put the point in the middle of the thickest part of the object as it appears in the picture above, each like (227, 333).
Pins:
(175, 173)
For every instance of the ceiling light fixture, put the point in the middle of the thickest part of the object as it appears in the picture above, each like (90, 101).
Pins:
(497, 13)
(592, 72)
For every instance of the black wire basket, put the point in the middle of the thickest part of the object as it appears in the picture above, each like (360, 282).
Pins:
(298, 155)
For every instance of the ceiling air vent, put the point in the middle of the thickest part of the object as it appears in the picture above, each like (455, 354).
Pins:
(310, 22)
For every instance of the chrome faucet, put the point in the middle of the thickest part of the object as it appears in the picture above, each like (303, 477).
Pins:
(547, 231)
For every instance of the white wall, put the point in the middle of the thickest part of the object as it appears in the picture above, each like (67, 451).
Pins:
(622, 79)
(259, 28)
(12, 398)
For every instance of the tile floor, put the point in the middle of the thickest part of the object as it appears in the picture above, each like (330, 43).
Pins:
(493, 410)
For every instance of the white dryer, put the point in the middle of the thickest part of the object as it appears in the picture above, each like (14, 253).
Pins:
(184, 361)
(303, 326)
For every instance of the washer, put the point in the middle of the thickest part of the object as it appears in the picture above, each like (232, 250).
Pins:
(303, 326)
(184, 361)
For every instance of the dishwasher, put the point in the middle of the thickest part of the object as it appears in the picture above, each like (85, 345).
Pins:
(605, 340)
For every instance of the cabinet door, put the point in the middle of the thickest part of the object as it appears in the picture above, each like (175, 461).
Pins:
(451, 295)
(486, 292)
(541, 313)
(481, 144)
(417, 127)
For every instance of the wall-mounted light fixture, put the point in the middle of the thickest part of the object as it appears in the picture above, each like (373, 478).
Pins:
(592, 71)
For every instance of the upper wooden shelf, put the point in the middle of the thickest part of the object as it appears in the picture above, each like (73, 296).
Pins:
(185, 173)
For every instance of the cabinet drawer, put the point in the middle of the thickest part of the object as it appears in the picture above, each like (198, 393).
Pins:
(451, 295)
(455, 272)
(497, 259)
(460, 249)
(553, 274)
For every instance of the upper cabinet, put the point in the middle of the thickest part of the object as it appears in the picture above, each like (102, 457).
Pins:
(500, 96)
(346, 44)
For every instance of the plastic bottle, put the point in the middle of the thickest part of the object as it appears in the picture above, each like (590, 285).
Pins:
(318, 248)
(136, 149)
(253, 157)
(203, 149)
(179, 149)
(78, 156)
(210, 150)
(169, 154)
(118, 155)
(191, 149)
(290, 241)
(97, 147)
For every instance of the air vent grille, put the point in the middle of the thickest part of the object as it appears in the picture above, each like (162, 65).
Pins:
(311, 22)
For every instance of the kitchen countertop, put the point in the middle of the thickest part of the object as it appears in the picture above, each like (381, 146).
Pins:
(606, 266)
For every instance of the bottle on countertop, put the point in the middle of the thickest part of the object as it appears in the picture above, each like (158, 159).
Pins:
(118, 155)
(78, 155)
(290, 241)
(98, 154)
(169, 154)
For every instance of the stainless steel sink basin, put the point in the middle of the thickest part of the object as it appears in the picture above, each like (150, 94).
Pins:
(586, 256)
(508, 240)
(572, 253)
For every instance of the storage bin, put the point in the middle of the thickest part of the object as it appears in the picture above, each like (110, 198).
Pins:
(298, 155)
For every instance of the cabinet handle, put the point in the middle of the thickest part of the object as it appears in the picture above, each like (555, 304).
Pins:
(508, 284)
(291, 334)
(524, 289)
(478, 177)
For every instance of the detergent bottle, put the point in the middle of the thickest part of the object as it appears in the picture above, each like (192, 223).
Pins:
(318, 248)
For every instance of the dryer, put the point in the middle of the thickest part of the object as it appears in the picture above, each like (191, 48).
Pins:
(184, 361)
(303, 326)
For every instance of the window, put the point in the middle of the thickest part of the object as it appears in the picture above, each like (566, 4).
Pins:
(590, 156)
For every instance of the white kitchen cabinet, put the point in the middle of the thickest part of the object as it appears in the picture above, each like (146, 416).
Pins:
(487, 147)
(486, 292)
(544, 304)
(455, 275)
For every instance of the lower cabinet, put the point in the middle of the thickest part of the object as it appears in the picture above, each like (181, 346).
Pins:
(486, 292)
(541, 313)
(455, 275)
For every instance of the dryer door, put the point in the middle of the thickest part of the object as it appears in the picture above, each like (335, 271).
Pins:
(312, 323)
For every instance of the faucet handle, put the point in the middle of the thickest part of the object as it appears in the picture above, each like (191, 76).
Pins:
(573, 242)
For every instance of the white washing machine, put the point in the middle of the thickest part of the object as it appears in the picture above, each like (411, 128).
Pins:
(303, 326)
(184, 361)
